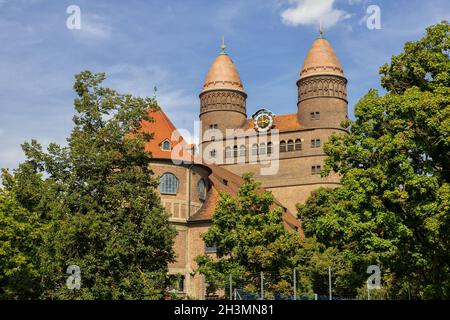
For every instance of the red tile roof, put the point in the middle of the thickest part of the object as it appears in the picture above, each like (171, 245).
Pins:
(233, 182)
(163, 129)
(221, 179)
(283, 122)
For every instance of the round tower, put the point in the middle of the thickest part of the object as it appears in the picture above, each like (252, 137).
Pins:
(322, 88)
(223, 98)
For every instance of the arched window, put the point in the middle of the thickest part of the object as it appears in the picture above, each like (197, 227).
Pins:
(235, 151)
(168, 183)
(290, 145)
(298, 145)
(262, 148)
(242, 151)
(255, 149)
(269, 147)
(166, 145)
(282, 146)
(201, 186)
(228, 152)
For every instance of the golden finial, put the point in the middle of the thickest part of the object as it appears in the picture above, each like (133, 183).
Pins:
(222, 47)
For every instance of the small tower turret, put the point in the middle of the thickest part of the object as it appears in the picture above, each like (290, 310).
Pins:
(223, 98)
(322, 88)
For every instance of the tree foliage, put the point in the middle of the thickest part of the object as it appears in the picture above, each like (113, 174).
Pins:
(393, 206)
(99, 197)
(21, 233)
(250, 237)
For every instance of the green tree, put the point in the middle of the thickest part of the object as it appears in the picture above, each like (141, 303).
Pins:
(393, 206)
(100, 198)
(249, 235)
(21, 233)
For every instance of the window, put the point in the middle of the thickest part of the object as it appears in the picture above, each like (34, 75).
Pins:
(201, 186)
(213, 126)
(290, 145)
(228, 152)
(315, 115)
(262, 148)
(315, 143)
(212, 249)
(235, 151)
(213, 153)
(166, 145)
(269, 147)
(168, 183)
(283, 146)
(315, 169)
(242, 151)
(255, 149)
(298, 145)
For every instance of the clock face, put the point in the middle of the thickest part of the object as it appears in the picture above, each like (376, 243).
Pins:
(263, 121)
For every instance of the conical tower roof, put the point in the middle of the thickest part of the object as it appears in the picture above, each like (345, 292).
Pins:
(223, 75)
(321, 60)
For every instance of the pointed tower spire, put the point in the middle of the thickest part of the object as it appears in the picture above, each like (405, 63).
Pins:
(155, 89)
(321, 28)
(222, 47)
(222, 74)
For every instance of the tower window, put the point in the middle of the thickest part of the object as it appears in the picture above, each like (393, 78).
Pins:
(228, 152)
(315, 169)
(242, 151)
(262, 148)
(315, 143)
(201, 186)
(168, 183)
(213, 126)
(298, 145)
(255, 149)
(290, 145)
(213, 153)
(315, 115)
(269, 147)
(283, 146)
(166, 145)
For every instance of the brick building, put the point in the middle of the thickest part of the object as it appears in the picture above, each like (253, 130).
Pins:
(284, 152)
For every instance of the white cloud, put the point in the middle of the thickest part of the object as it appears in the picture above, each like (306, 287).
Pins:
(93, 27)
(311, 12)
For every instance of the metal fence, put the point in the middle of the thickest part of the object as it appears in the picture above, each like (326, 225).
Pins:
(268, 285)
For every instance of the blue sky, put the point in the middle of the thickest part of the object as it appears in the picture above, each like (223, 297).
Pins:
(171, 44)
